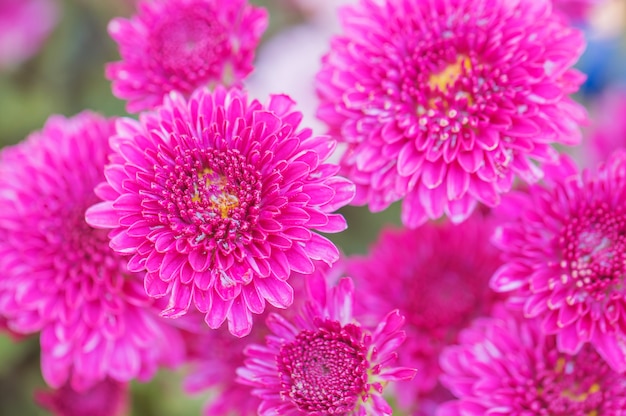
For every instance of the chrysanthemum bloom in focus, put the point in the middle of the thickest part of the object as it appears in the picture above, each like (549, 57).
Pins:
(564, 251)
(323, 361)
(507, 365)
(24, 26)
(182, 45)
(217, 197)
(107, 398)
(59, 275)
(438, 277)
(443, 103)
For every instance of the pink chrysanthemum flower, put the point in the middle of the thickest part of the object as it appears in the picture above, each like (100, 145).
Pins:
(443, 103)
(325, 362)
(182, 45)
(107, 398)
(438, 277)
(217, 197)
(59, 275)
(24, 26)
(564, 251)
(507, 365)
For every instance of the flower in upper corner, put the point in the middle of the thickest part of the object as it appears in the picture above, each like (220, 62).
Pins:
(507, 365)
(443, 103)
(438, 278)
(107, 398)
(564, 255)
(217, 197)
(324, 361)
(24, 26)
(182, 45)
(59, 275)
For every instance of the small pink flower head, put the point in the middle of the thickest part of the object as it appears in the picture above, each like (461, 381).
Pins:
(438, 277)
(59, 275)
(24, 26)
(564, 253)
(444, 103)
(323, 361)
(182, 45)
(217, 197)
(507, 365)
(107, 398)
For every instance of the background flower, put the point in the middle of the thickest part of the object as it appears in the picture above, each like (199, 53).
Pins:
(564, 256)
(507, 365)
(20, 36)
(59, 275)
(182, 45)
(437, 276)
(224, 199)
(442, 104)
(106, 398)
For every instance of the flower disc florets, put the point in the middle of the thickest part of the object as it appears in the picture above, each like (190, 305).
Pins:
(217, 197)
(443, 103)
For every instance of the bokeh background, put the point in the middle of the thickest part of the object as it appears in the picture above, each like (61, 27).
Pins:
(65, 74)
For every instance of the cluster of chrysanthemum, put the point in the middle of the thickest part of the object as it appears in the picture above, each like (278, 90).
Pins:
(129, 243)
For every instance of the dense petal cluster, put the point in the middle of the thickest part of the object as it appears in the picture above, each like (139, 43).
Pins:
(182, 45)
(323, 361)
(24, 26)
(217, 197)
(507, 365)
(443, 103)
(438, 277)
(564, 253)
(59, 275)
(106, 398)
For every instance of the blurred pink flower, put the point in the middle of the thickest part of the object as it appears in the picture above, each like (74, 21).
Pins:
(607, 132)
(443, 103)
(59, 275)
(438, 277)
(217, 198)
(107, 398)
(564, 253)
(24, 26)
(576, 10)
(182, 45)
(214, 356)
(507, 365)
(323, 361)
